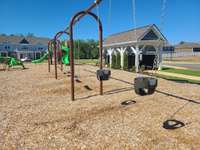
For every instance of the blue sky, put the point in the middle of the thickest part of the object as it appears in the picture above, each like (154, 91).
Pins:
(46, 17)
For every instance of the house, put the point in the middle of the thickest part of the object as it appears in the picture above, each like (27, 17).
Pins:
(23, 47)
(140, 45)
(187, 47)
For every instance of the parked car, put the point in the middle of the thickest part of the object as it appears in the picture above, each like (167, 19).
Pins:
(26, 59)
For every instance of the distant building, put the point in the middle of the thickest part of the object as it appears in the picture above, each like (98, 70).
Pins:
(20, 47)
(187, 47)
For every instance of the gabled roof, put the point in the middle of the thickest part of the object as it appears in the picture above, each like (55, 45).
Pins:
(132, 35)
(17, 39)
(185, 45)
(24, 41)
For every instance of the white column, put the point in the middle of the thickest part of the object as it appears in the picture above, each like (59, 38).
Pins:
(122, 50)
(160, 58)
(137, 53)
(110, 50)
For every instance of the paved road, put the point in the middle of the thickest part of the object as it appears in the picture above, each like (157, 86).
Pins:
(189, 66)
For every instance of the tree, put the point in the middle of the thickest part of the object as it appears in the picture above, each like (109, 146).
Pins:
(3, 34)
(30, 34)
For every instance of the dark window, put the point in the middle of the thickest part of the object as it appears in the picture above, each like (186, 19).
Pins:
(7, 47)
(150, 36)
(3, 54)
(168, 49)
(40, 48)
(196, 49)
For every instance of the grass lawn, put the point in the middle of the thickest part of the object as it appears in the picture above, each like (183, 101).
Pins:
(177, 79)
(87, 61)
(182, 71)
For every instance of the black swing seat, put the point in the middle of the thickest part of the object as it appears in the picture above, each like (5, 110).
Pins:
(103, 74)
(145, 85)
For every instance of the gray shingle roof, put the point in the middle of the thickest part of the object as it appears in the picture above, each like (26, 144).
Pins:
(128, 35)
(18, 39)
(186, 45)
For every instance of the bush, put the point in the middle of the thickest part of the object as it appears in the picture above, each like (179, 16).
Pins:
(125, 62)
(142, 68)
(133, 69)
(116, 61)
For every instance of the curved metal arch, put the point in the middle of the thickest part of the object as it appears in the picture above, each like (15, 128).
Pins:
(55, 41)
(58, 34)
(49, 57)
(72, 47)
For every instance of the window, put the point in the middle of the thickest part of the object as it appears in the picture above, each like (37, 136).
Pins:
(7, 47)
(150, 36)
(40, 48)
(196, 49)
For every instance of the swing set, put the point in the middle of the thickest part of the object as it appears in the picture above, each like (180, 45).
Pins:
(143, 85)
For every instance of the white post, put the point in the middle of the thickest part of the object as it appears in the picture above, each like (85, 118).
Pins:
(110, 50)
(160, 57)
(122, 50)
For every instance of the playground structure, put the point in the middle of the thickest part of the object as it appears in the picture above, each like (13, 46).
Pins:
(59, 52)
(143, 85)
(47, 119)
(9, 62)
(65, 49)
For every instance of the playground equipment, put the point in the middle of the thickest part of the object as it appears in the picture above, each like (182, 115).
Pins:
(59, 52)
(67, 32)
(43, 58)
(101, 74)
(147, 85)
(57, 44)
(11, 62)
(143, 85)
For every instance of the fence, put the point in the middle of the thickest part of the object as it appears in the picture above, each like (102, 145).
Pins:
(179, 54)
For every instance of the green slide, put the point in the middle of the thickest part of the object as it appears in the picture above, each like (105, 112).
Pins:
(10, 61)
(65, 57)
(44, 57)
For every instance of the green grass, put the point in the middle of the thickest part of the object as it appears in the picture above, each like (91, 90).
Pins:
(87, 61)
(182, 71)
(177, 79)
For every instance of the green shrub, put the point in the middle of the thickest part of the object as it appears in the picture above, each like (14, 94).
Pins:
(113, 61)
(125, 62)
(133, 69)
(142, 68)
(116, 61)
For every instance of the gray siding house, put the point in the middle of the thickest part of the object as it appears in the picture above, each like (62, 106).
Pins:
(21, 47)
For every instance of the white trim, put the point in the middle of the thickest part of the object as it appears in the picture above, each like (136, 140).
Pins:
(117, 44)
(147, 42)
